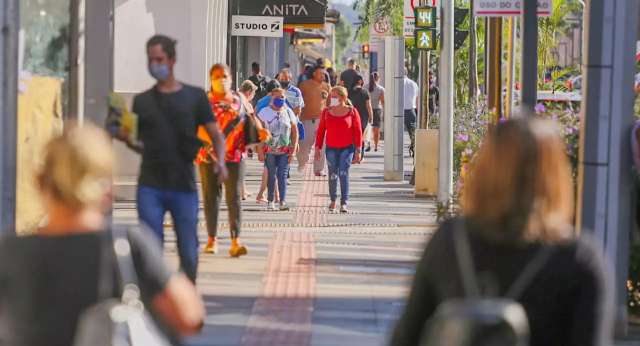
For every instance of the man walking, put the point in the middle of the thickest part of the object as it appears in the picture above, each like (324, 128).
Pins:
(169, 115)
(411, 94)
(259, 80)
(348, 76)
(315, 92)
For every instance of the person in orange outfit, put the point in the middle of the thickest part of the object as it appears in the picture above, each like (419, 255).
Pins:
(230, 112)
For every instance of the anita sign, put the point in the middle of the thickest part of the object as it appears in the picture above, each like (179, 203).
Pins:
(293, 11)
(285, 10)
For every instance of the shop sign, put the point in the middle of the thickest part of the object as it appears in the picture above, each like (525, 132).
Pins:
(293, 11)
(260, 26)
(508, 8)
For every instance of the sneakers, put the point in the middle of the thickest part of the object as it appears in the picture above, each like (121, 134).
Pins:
(332, 207)
(344, 209)
(237, 249)
(212, 246)
(284, 206)
(272, 206)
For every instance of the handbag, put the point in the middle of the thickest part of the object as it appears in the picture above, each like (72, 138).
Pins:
(120, 321)
(188, 143)
(252, 126)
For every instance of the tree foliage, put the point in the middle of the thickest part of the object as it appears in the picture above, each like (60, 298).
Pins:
(344, 35)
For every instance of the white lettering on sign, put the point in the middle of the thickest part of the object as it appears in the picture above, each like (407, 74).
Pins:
(261, 26)
(285, 10)
(507, 8)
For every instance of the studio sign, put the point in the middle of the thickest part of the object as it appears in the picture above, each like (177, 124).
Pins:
(293, 11)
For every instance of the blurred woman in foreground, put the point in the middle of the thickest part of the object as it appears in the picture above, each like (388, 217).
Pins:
(48, 280)
(517, 201)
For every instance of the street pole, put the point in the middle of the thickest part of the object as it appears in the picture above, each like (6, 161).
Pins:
(511, 67)
(604, 173)
(394, 109)
(445, 149)
(423, 117)
(529, 66)
(9, 20)
(495, 67)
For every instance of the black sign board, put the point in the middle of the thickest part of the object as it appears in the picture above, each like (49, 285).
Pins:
(293, 11)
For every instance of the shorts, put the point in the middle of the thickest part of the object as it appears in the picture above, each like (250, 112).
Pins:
(377, 118)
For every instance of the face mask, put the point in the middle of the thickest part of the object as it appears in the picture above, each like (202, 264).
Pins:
(221, 86)
(159, 71)
(334, 102)
(284, 85)
(278, 102)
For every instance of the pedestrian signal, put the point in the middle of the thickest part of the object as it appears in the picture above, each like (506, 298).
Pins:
(425, 17)
(426, 39)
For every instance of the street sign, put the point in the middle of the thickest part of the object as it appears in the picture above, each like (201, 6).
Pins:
(380, 27)
(508, 8)
(426, 39)
(425, 17)
(257, 26)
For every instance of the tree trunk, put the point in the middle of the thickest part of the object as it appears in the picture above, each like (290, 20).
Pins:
(473, 57)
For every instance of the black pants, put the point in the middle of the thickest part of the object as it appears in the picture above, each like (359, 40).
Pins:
(410, 125)
(212, 193)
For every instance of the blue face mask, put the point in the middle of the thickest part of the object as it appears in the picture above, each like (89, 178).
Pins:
(278, 102)
(159, 71)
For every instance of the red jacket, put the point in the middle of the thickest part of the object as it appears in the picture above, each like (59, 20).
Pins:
(341, 132)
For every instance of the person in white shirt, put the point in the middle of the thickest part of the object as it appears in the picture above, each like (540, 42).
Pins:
(411, 96)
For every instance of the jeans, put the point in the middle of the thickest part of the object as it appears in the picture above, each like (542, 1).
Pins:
(277, 169)
(212, 193)
(307, 145)
(410, 125)
(339, 162)
(153, 203)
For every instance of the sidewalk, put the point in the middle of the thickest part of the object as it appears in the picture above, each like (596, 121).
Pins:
(311, 278)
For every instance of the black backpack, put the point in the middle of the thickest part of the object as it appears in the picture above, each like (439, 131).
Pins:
(261, 83)
(474, 320)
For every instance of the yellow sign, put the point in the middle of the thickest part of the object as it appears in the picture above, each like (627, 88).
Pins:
(426, 39)
(425, 17)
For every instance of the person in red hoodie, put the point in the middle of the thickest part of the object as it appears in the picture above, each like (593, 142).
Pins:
(340, 125)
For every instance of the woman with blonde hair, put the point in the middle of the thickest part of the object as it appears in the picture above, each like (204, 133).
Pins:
(49, 279)
(340, 125)
(517, 211)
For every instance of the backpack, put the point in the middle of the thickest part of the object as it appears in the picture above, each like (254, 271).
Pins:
(123, 321)
(261, 83)
(476, 320)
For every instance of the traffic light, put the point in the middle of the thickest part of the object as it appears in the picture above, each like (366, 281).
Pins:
(425, 27)
(365, 51)
(460, 35)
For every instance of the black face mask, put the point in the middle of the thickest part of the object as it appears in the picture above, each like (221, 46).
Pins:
(284, 85)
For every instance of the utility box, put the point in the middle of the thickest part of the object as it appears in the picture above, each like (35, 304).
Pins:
(426, 163)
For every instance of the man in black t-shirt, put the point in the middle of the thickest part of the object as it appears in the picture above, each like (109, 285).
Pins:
(348, 76)
(260, 81)
(361, 100)
(168, 117)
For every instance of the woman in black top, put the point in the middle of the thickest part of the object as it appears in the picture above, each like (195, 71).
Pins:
(361, 100)
(48, 279)
(517, 200)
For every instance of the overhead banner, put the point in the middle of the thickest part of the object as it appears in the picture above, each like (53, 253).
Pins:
(260, 26)
(294, 12)
(508, 8)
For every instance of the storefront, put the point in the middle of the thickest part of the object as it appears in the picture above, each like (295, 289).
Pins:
(272, 53)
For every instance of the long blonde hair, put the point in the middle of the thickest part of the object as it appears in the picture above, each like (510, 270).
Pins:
(520, 186)
(78, 167)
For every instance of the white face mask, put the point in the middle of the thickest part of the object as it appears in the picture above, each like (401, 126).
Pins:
(334, 102)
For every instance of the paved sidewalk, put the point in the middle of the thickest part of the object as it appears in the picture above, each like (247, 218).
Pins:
(311, 277)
